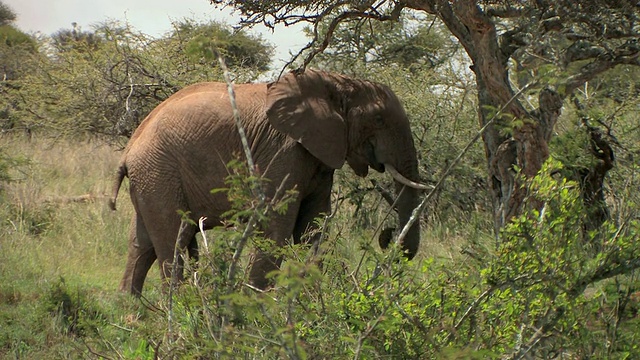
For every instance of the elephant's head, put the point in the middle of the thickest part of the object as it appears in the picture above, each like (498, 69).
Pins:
(340, 119)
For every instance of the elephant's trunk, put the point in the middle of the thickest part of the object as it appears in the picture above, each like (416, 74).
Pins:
(407, 202)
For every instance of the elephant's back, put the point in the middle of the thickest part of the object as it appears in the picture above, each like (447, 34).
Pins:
(192, 135)
(214, 97)
(205, 102)
(204, 108)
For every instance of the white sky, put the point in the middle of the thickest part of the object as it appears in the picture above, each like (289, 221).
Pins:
(152, 17)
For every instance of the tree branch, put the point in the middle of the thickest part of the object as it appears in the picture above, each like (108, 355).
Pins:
(505, 12)
(347, 15)
(628, 54)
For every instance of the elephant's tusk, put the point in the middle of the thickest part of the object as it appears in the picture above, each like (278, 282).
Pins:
(403, 180)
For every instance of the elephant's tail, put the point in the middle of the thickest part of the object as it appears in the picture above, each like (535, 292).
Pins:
(120, 174)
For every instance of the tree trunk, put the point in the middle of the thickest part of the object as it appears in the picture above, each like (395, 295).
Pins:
(527, 147)
(499, 106)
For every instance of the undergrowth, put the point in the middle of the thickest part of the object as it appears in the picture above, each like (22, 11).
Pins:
(541, 291)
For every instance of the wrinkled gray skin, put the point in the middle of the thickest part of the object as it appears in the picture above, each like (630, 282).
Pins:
(304, 126)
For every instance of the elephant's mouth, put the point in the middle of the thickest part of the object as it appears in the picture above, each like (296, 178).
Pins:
(364, 158)
(371, 157)
(379, 167)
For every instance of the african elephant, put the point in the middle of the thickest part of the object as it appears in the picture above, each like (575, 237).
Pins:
(299, 128)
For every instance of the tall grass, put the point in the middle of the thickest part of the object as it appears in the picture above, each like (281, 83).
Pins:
(57, 237)
(62, 253)
(57, 220)
(62, 248)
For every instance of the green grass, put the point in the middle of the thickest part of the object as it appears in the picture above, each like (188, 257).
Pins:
(58, 251)
(47, 240)
(61, 262)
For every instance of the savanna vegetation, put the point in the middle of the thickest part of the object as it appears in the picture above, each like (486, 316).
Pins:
(525, 118)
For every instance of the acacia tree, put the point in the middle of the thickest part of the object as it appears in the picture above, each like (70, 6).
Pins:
(575, 41)
(108, 79)
(365, 48)
(17, 52)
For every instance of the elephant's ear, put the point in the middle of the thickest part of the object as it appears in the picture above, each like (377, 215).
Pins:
(304, 107)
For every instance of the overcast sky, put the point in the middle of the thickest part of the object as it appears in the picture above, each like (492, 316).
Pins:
(152, 17)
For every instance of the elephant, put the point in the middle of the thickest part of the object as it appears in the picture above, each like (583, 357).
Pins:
(300, 129)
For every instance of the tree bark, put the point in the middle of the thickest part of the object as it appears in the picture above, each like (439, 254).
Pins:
(591, 180)
(527, 147)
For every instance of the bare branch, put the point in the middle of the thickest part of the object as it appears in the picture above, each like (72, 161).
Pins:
(347, 15)
(505, 12)
(386, 195)
(628, 53)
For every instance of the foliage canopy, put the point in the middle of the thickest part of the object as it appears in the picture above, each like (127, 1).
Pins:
(109, 78)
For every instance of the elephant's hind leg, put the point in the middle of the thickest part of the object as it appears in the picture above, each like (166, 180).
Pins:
(165, 234)
(140, 258)
(186, 247)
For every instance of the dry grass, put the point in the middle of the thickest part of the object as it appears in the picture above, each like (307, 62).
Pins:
(58, 224)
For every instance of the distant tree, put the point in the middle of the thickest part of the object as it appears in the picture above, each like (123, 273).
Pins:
(17, 53)
(7, 15)
(108, 79)
(239, 49)
(13, 44)
(14, 47)
(75, 38)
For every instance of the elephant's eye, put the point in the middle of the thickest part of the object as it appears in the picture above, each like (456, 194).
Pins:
(378, 120)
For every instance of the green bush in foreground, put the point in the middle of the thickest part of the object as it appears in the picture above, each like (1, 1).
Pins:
(544, 293)
(547, 289)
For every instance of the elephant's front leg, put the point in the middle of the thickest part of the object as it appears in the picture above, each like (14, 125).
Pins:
(314, 206)
(299, 222)
(265, 258)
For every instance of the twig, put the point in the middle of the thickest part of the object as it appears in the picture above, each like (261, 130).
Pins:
(386, 195)
(412, 319)
(366, 333)
(233, 268)
(261, 338)
(345, 15)
(127, 102)
(102, 356)
(252, 168)
(177, 250)
(258, 191)
(361, 261)
(477, 301)
(121, 327)
(292, 353)
(148, 305)
(236, 114)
